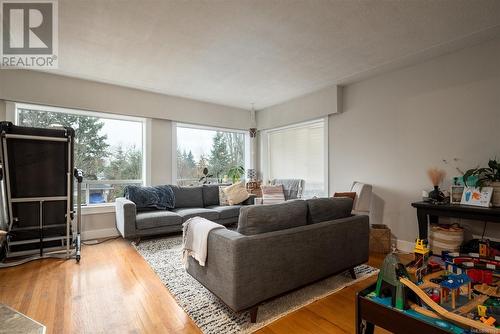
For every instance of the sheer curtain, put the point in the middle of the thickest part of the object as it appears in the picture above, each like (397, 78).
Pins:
(298, 152)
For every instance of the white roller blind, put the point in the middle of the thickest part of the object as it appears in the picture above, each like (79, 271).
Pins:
(298, 152)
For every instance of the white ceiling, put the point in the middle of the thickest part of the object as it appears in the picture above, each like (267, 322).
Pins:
(237, 52)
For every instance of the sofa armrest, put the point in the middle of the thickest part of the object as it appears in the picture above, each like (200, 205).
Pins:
(125, 212)
(249, 200)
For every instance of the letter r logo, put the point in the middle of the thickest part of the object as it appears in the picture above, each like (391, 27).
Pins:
(27, 27)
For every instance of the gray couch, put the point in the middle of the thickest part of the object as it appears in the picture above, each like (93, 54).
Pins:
(281, 247)
(194, 201)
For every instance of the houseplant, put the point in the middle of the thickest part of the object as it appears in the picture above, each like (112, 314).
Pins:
(235, 173)
(487, 176)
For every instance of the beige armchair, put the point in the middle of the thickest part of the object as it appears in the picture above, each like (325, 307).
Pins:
(362, 202)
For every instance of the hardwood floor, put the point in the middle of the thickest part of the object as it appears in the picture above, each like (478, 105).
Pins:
(113, 290)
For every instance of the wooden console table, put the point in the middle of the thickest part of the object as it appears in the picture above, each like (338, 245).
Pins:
(430, 213)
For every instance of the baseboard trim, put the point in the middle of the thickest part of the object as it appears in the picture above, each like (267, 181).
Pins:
(405, 246)
(100, 233)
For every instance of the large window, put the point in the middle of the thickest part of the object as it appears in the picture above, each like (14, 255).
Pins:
(299, 152)
(220, 151)
(108, 149)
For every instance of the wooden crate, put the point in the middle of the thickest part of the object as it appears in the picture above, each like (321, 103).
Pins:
(380, 238)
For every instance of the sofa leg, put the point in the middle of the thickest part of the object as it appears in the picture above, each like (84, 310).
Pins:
(352, 273)
(137, 241)
(253, 314)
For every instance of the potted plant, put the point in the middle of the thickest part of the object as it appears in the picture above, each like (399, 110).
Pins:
(205, 176)
(488, 176)
(235, 173)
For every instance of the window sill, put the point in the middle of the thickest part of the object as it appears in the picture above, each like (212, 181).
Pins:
(98, 209)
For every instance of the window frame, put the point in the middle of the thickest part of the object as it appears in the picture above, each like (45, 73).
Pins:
(265, 151)
(176, 125)
(12, 116)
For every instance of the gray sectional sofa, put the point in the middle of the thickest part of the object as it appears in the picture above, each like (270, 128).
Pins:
(194, 201)
(281, 247)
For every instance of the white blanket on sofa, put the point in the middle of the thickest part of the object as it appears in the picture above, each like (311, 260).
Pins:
(195, 239)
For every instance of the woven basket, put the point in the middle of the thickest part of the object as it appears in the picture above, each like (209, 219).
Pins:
(380, 238)
(445, 237)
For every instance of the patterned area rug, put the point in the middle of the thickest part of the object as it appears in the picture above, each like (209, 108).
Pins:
(208, 312)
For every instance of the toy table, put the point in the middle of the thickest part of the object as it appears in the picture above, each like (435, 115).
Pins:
(370, 313)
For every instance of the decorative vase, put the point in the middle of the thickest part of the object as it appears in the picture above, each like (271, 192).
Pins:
(495, 198)
(436, 194)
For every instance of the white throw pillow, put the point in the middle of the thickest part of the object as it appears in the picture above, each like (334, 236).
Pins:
(236, 193)
(222, 196)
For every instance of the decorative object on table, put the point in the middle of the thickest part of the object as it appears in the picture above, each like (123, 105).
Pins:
(436, 176)
(253, 187)
(204, 178)
(445, 238)
(477, 196)
(456, 194)
(251, 174)
(380, 238)
(489, 176)
(235, 173)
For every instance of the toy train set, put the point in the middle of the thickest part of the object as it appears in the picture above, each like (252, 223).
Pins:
(459, 293)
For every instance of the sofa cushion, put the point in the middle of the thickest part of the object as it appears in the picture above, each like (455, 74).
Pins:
(211, 193)
(257, 219)
(325, 209)
(188, 197)
(226, 211)
(187, 213)
(152, 219)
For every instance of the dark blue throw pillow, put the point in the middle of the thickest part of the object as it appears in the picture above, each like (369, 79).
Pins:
(157, 197)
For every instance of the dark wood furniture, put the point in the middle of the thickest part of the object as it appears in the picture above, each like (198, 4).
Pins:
(430, 213)
(370, 314)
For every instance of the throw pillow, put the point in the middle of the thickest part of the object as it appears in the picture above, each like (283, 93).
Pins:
(272, 194)
(349, 194)
(222, 196)
(158, 197)
(236, 193)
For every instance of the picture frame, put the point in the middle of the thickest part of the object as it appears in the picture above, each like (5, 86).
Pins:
(456, 192)
(477, 196)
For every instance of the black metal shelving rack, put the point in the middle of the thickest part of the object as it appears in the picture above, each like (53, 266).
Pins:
(38, 177)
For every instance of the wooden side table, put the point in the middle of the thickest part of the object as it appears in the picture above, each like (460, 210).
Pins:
(253, 187)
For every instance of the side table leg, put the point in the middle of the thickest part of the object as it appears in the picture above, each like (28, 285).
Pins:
(366, 327)
(422, 224)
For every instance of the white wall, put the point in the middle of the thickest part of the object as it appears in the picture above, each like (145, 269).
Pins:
(161, 110)
(54, 90)
(2, 110)
(395, 126)
(315, 105)
(161, 151)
